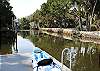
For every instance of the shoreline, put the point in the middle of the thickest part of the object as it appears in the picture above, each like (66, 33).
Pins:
(71, 31)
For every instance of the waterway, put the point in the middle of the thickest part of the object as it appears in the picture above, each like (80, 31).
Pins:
(84, 56)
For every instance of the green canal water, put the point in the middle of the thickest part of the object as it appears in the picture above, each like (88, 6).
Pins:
(84, 56)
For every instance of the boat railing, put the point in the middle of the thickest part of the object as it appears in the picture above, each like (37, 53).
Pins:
(62, 58)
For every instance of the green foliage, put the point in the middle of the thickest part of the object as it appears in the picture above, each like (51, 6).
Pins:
(93, 28)
(24, 24)
(53, 10)
(56, 10)
(58, 13)
(6, 34)
(6, 15)
(97, 23)
(87, 9)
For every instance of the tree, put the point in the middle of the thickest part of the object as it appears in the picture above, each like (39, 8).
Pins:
(53, 14)
(24, 24)
(6, 15)
(87, 9)
(6, 33)
(56, 13)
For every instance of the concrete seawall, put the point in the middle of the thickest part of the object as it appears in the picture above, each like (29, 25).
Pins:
(70, 31)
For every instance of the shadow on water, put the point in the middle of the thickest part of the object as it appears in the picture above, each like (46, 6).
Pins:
(7, 40)
(85, 56)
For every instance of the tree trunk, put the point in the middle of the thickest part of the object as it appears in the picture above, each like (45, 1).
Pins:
(91, 19)
(80, 23)
(87, 23)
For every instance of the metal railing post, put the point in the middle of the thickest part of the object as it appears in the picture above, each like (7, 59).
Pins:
(62, 58)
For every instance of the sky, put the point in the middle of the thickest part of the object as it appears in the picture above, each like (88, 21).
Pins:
(22, 8)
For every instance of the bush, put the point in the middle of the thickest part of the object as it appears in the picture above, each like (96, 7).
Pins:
(93, 28)
(97, 23)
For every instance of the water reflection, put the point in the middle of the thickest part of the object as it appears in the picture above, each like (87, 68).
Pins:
(12, 42)
(83, 59)
(7, 40)
(85, 56)
(24, 34)
(24, 45)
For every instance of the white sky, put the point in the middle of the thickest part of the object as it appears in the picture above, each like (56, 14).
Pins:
(23, 8)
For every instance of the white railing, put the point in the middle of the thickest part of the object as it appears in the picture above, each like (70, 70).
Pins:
(63, 57)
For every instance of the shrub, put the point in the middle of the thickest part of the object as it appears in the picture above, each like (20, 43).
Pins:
(93, 28)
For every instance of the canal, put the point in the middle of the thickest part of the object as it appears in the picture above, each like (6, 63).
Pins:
(85, 56)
